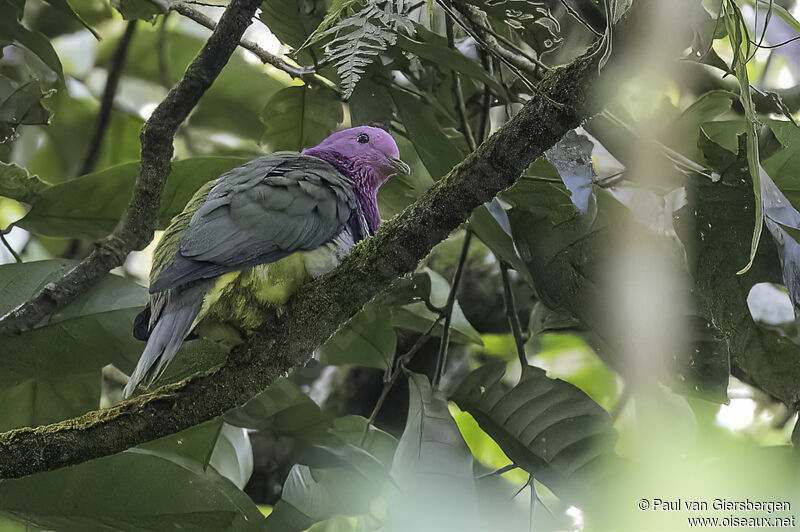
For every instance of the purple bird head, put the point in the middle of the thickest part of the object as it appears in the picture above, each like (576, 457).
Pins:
(367, 155)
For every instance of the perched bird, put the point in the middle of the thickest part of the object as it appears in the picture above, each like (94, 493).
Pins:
(248, 239)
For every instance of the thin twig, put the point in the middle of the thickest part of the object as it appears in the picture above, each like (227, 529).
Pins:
(486, 104)
(6, 243)
(444, 342)
(394, 374)
(163, 57)
(577, 16)
(115, 69)
(511, 315)
(458, 93)
(306, 74)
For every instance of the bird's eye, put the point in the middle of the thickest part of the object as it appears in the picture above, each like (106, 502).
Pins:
(363, 138)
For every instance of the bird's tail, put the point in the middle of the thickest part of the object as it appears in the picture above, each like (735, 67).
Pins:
(173, 325)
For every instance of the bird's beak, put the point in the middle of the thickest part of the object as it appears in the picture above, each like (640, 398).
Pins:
(400, 166)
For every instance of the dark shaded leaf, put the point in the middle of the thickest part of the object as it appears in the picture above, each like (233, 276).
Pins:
(92, 331)
(138, 9)
(41, 401)
(12, 30)
(367, 339)
(300, 117)
(432, 467)
(16, 183)
(437, 151)
(292, 21)
(546, 426)
(20, 104)
(90, 207)
(284, 409)
(107, 494)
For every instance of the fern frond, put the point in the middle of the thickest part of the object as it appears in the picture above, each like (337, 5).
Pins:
(338, 10)
(361, 37)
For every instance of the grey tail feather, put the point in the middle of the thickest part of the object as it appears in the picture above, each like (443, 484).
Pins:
(173, 326)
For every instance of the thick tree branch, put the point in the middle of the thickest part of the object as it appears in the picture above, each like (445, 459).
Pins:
(135, 230)
(319, 307)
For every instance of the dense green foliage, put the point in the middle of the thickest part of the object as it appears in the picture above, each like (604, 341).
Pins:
(593, 321)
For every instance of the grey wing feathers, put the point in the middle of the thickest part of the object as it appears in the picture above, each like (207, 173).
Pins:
(173, 313)
(260, 213)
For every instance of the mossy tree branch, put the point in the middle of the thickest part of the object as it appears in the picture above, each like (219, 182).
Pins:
(319, 307)
(137, 225)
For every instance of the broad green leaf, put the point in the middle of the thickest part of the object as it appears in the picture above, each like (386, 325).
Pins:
(20, 104)
(42, 401)
(783, 165)
(315, 489)
(130, 491)
(546, 426)
(138, 9)
(231, 104)
(370, 104)
(12, 30)
(418, 317)
(284, 409)
(92, 331)
(292, 21)
(683, 133)
(195, 444)
(432, 467)
(432, 47)
(16, 183)
(300, 117)
(91, 206)
(63, 153)
(233, 455)
(214, 443)
(436, 150)
(367, 339)
(64, 8)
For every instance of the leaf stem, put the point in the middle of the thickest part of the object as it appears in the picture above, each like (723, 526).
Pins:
(444, 342)
(115, 69)
(511, 315)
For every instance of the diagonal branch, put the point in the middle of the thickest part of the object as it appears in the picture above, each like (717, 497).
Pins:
(135, 230)
(320, 306)
(304, 73)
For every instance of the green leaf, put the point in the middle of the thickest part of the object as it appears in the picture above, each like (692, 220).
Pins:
(418, 317)
(338, 10)
(314, 490)
(300, 117)
(434, 48)
(783, 165)
(91, 206)
(16, 183)
(684, 131)
(233, 455)
(138, 9)
(42, 401)
(130, 491)
(20, 104)
(63, 152)
(232, 103)
(437, 151)
(739, 37)
(548, 427)
(432, 467)
(11, 30)
(367, 339)
(65, 9)
(89, 333)
(292, 21)
(284, 409)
